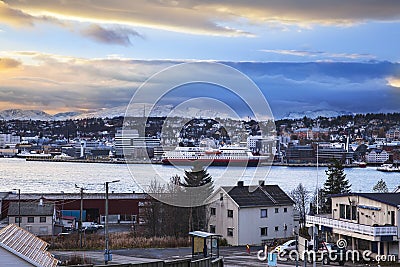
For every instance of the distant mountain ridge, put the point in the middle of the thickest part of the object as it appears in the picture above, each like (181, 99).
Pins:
(22, 114)
(138, 110)
(315, 114)
(135, 110)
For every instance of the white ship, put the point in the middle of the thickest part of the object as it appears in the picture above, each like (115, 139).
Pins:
(25, 154)
(388, 168)
(224, 156)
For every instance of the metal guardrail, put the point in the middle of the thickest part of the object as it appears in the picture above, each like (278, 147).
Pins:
(353, 227)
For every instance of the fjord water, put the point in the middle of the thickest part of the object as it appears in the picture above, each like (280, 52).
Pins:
(54, 177)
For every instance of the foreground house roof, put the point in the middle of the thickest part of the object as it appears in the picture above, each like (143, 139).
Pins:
(392, 199)
(70, 196)
(26, 246)
(261, 196)
(31, 209)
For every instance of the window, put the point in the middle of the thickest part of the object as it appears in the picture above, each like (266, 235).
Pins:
(42, 219)
(213, 211)
(230, 232)
(348, 212)
(230, 213)
(354, 213)
(276, 228)
(264, 231)
(263, 213)
(31, 219)
(285, 210)
(221, 196)
(342, 211)
(212, 228)
(18, 219)
(276, 210)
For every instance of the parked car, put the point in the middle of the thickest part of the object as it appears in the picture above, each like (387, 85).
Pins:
(63, 234)
(286, 247)
(98, 226)
(328, 253)
(93, 225)
(332, 253)
(89, 229)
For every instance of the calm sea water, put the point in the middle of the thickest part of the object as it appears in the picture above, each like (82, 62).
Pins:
(46, 177)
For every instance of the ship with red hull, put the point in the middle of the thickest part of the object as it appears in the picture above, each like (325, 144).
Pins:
(224, 156)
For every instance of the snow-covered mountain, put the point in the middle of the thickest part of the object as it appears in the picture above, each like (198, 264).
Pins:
(315, 114)
(21, 114)
(138, 110)
(135, 110)
(65, 115)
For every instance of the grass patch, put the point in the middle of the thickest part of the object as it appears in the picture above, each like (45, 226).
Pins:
(117, 241)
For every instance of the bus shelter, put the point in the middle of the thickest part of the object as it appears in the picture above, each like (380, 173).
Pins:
(204, 244)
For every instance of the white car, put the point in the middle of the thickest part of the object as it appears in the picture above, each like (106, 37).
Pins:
(287, 246)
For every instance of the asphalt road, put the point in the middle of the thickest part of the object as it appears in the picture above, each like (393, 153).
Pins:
(233, 256)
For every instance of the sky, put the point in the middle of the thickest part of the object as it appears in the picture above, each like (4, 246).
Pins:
(304, 55)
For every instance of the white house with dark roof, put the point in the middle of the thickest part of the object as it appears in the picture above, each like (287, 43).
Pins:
(36, 217)
(368, 221)
(251, 214)
(377, 156)
(20, 248)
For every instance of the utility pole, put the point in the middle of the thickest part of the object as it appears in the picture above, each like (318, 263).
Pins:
(62, 208)
(317, 168)
(296, 234)
(80, 216)
(19, 206)
(107, 254)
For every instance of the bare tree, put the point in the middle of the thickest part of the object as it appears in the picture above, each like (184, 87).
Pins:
(380, 187)
(153, 210)
(301, 197)
(163, 219)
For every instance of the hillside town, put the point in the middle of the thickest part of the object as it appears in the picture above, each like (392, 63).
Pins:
(371, 138)
(233, 224)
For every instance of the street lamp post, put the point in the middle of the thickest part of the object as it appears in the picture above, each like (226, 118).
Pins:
(296, 234)
(19, 206)
(80, 215)
(62, 207)
(317, 180)
(107, 254)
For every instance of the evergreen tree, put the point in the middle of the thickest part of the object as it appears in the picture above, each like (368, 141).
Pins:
(198, 178)
(336, 183)
(380, 187)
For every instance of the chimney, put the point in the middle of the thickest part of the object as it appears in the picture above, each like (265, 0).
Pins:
(261, 182)
(240, 183)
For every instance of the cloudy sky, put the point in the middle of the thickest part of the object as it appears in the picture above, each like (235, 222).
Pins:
(304, 55)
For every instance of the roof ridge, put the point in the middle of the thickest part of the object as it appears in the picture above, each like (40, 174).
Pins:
(268, 195)
(27, 246)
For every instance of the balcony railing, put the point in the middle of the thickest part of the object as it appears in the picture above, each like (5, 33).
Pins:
(353, 227)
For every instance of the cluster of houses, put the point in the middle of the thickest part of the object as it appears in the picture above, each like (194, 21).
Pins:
(375, 153)
(242, 214)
